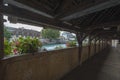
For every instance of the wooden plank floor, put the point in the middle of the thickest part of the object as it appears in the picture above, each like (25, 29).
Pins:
(103, 66)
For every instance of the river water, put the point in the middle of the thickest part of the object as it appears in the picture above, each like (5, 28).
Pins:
(53, 46)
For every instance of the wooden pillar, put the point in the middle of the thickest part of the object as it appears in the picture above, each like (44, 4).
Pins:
(99, 45)
(1, 31)
(105, 43)
(102, 44)
(79, 38)
(119, 40)
(89, 47)
(95, 46)
(108, 43)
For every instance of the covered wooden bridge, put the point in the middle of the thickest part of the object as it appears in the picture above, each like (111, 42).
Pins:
(97, 19)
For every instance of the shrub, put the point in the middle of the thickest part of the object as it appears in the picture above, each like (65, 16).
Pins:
(26, 45)
(71, 44)
(7, 47)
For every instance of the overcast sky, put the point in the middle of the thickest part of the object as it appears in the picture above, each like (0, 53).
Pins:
(19, 25)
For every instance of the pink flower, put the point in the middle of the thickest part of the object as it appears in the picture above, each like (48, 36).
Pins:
(17, 43)
(15, 51)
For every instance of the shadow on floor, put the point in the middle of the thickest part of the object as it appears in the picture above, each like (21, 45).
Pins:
(92, 68)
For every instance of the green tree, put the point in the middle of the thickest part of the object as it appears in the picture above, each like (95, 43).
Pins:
(50, 33)
(7, 34)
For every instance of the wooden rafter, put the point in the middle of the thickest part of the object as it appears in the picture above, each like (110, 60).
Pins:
(93, 7)
(36, 18)
(75, 15)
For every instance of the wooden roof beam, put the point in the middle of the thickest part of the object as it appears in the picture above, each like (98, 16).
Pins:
(101, 25)
(92, 9)
(36, 18)
(20, 5)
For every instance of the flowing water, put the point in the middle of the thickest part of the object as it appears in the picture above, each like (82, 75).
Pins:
(53, 46)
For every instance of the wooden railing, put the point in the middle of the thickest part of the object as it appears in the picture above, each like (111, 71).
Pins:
(50, 65)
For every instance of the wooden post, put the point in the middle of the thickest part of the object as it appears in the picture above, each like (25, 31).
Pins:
(102, 44)
(89, 47)
(119, 41)
(95, 47)
(99, 45)
(105, 43)
(108, 42)
(1, 31)
(79, 38)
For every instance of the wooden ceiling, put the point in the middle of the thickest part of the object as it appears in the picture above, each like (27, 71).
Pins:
(87, 16)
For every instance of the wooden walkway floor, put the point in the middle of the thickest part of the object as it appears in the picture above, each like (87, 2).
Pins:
(105, 66)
